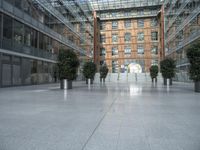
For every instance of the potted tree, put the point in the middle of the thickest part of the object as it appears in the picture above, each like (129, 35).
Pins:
(103, 72)
(89, 70)
(68, 63)
(193, 54)
(167, 68)
(154, 72)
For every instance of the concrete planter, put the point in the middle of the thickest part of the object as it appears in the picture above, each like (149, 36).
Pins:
(89, 81)
(102, 80)
(197, 86)
(167, 81)
(65, 84)
(154, 80)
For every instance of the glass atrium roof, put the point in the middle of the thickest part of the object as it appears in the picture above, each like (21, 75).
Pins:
(118, 4)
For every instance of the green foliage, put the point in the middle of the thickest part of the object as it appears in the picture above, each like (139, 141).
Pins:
(193, 54)
(167, 68)
(154, 71)
(89, 70)
(103, 71)
(68, 63)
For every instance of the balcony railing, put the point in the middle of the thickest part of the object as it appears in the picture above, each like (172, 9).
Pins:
(193, 14)
(28, 50)
(25, 18)
(186, 41)
(121, 16)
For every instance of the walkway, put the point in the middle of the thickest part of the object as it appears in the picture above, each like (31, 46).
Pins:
(101, 117)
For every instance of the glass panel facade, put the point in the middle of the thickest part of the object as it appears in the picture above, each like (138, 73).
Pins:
(18, 32)
(7, 27)
(28, 36)
(16, 74)
(6, 74)
(140, 12)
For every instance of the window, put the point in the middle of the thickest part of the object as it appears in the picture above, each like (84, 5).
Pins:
(140, 23)
(127, 37)
(154, 49)
(27, 35)
(18, 31)
(7, 27)
(154, 62)
(0, 25)
(114, 51)
(114, 66)
(41, 41)
(102, 62)
(114, 14)
(102, 26)
(154, 22)
(82, 28)
(127, 50)
(127, 23)
(154, 36)
(140, 49)
(103, 39)
(45, 42)
(126, 14)
(34, 38)
(114, 25)
(114, 38)
(102, 51)
(140, 12)
(140, 36)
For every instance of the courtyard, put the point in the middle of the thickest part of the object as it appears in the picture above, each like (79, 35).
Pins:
(110, 116)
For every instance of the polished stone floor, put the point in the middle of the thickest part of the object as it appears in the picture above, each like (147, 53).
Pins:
(114, 116)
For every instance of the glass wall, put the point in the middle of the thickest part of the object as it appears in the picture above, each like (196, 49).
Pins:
(16, 70)
(24, 39)
(182, 28)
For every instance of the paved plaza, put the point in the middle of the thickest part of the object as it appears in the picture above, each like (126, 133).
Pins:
(111, 116)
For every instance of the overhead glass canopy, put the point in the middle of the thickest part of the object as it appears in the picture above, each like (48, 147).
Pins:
(120, 4)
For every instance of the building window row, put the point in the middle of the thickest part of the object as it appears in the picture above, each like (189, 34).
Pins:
(129, 13)
(127, 50)
(16, 34)
(127, 24)
(127, 37)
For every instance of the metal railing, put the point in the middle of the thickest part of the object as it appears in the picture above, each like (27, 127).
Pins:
(121, 16)
(75, 14)
(28, 50)
(186, 41)
(26, 19)
(178, 13)
(46, 5)
(193, 14)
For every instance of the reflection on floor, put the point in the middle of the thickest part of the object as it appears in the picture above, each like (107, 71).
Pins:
(110, 116)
